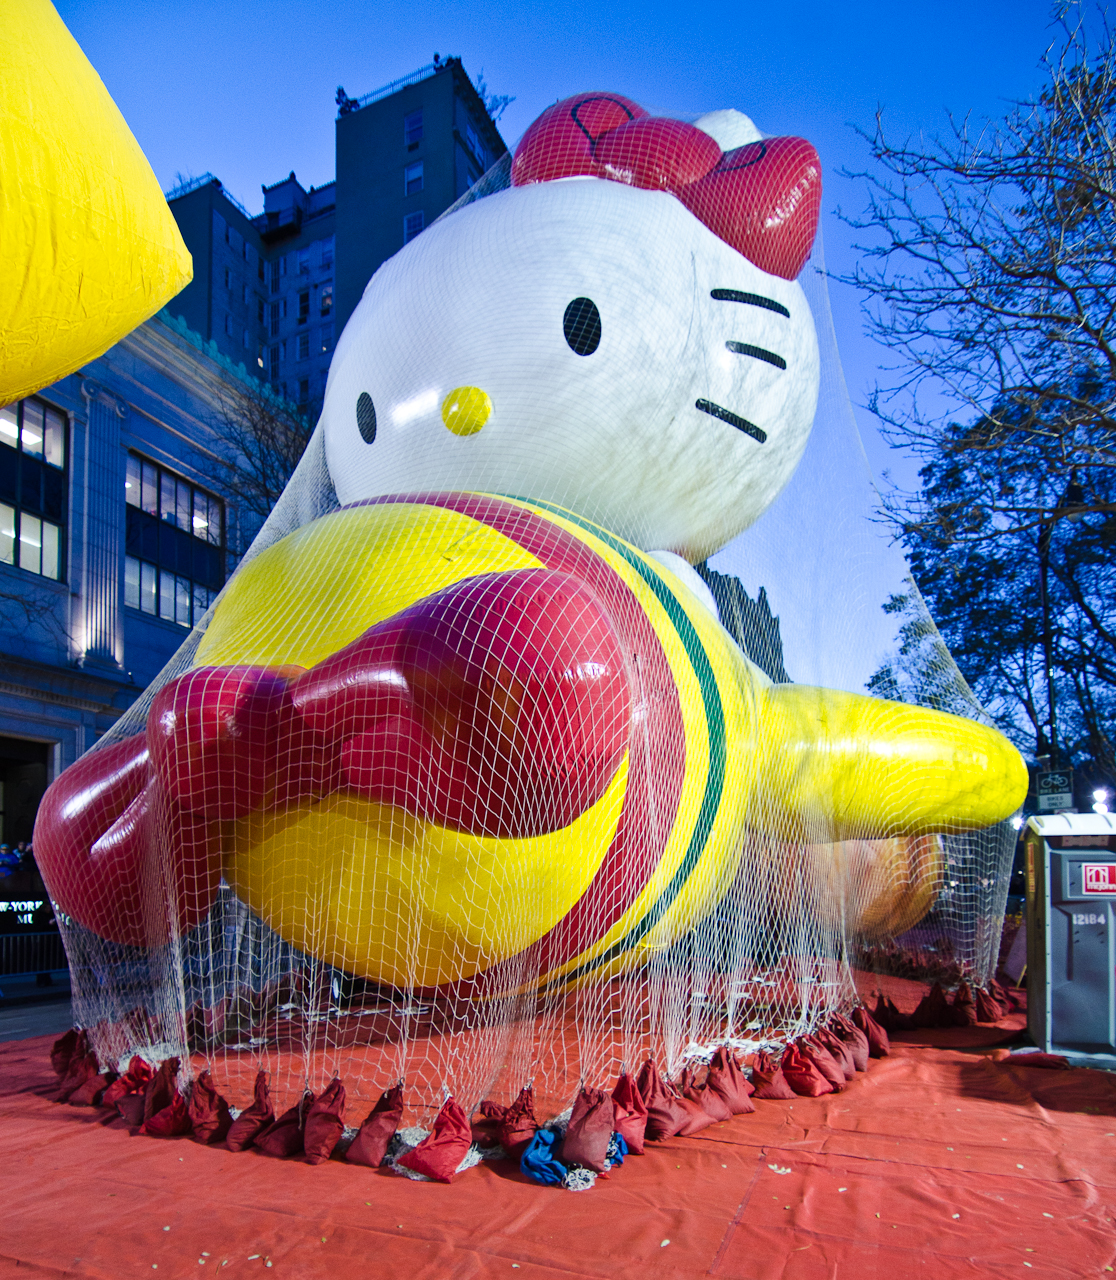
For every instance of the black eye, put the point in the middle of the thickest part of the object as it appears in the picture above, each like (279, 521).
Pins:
(582, 326)
(366, 417)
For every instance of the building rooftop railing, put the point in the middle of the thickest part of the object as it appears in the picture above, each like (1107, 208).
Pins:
(385, 91)
(207, 179)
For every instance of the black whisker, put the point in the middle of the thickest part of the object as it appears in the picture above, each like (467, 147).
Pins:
(750, 299)
(733, 419)
(746, 349)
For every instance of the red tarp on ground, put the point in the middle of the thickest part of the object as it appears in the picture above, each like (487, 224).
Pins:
(938, 1162)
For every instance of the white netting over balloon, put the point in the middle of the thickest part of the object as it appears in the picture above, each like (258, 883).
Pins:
(531, 736)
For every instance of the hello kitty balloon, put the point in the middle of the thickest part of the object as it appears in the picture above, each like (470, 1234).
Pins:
(480, 728)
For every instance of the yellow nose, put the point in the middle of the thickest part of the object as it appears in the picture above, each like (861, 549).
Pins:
(466, 409)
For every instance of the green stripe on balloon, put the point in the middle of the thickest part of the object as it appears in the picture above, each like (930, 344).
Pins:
(715, 720)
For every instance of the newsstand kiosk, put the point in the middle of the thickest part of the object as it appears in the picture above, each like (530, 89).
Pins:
(1071, 935)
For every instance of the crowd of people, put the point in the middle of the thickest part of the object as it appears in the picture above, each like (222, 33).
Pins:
(16, 858)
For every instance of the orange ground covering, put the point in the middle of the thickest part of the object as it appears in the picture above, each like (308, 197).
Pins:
(941, 1161)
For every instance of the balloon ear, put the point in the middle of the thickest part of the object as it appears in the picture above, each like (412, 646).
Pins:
(88, 237)
(764, 200)
(559, 144)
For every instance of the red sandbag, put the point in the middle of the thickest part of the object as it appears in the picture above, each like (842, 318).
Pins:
(964, 1006)
(769, 1082)
(697, 1118)
(879, 1046)
(802, 1074)
(629, 1113)
(707, 1099)
(161, 1089)
(286, 1137)
(442, 1150)
(171, 1121)
(325, 1123)
(73, 1044)
(854, 1040)
(134, 1080)
(253, 1120)
(370, 1145)
(988, 1008)
(210, 1120)
(130, 1109)
(824, 1061)
(727, 1081)
(91, 1093)
(589, 1131)
(517, 1126)
(80, 1070)
(665, 1113)
(933, 1010)
(838, 1051)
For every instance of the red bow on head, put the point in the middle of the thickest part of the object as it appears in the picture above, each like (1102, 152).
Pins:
(763, 198)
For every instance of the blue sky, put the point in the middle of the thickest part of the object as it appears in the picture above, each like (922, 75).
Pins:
(246, 90)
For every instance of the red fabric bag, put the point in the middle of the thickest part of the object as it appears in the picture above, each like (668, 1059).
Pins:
(697, 1118)
(988, 1007)
(838, 1051)
(74, 1044)
(286, 1137)
(134, 1080)
(802, 1075)
(964, 1006)
(879, 1046)
(517, 1126)
(933, 1010)
(824, 1061)
(707, 1099)
(325, 1123)
(171, 1121)
(727, 1081)
(665, 1113)
(629, 1113)
(253, 1120)
(80, 1069)
(854, 1040)
(91, 1093)
(442, 1150)
(161, 1089)
(1051, 1061)
(589, 1131)
(768, 1080)
(210, 1120)
(130, 1109)
(370, 1145)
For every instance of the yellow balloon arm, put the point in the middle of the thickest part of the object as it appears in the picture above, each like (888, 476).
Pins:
(839, 766)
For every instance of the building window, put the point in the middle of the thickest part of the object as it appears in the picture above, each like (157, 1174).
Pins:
(259, 267)
(303, 345)
(175, 544)
(412, 225)
(327, 337)
(327, 253)
(475, 145)
(228, 238)
(412, 127)
(32, 486)
(326, 299)
(246, 340)
(412, 178)
(260, 310)
(274, 358)
(275, 275)
(244, 250)
(304, 261)
(304, 306)
(303, 391)
(228, 326)
(275, 316)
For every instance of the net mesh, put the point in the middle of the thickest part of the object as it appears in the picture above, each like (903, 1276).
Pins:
(469, 777)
